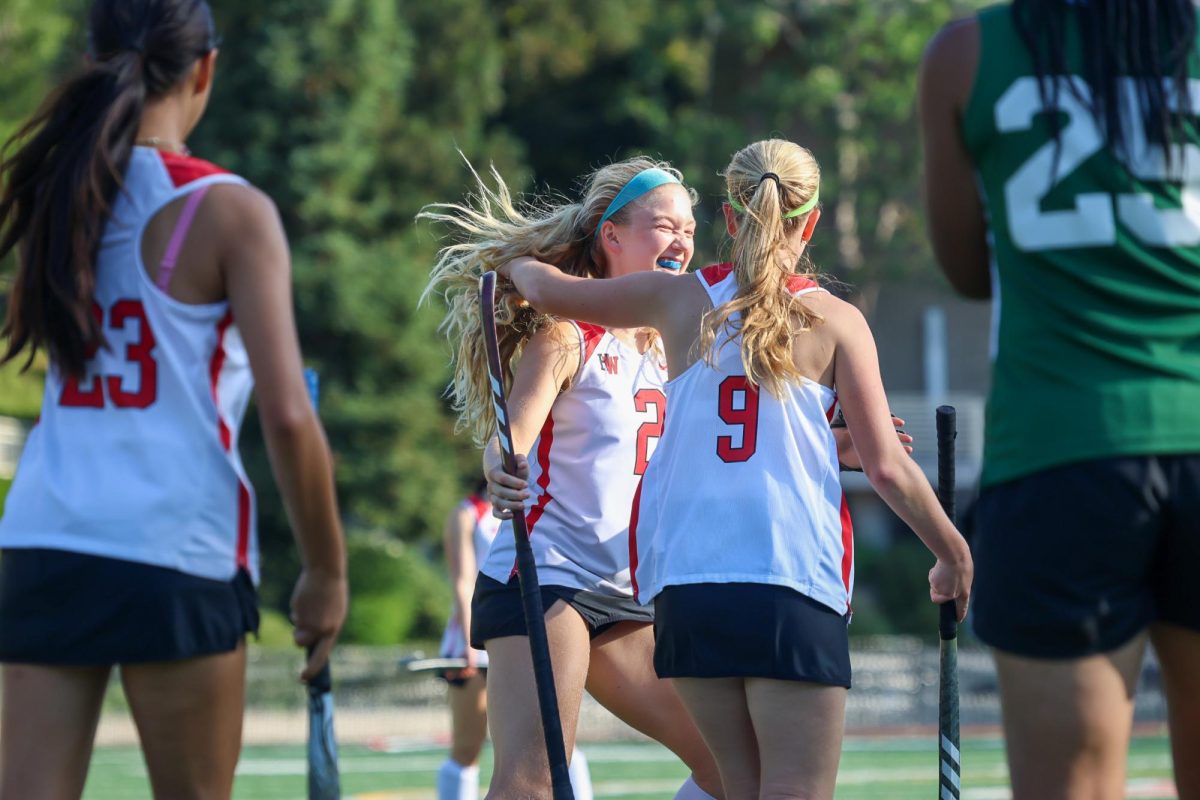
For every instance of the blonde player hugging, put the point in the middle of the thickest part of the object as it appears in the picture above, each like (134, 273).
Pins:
(588, 401)
(739, 537)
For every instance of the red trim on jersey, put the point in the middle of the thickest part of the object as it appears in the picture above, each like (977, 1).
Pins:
(716, 273)
(847, 545)
(185, 169)
(832, 407)
(633, 523)
(545, 440)
(214, 375)
(592, 334)
(243, 540)
(797, 283)
(481, 507)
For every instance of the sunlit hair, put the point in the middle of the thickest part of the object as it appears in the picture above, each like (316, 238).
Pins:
(767, 316)
(491, 228)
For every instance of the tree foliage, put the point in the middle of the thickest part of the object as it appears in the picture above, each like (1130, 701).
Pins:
(352, 115)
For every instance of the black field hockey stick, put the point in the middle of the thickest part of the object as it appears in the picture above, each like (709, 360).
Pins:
(950, 764)
(323, 781)
(531, 595)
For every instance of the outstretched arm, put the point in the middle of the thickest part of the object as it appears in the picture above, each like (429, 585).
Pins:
(896, 477)
(630, 301)
(257, 274)
(459, 542)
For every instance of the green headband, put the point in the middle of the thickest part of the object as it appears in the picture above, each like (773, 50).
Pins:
(804, 209)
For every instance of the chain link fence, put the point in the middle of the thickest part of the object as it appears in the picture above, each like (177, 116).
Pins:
(378, 703)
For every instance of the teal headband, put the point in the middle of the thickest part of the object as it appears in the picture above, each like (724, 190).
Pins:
(641, 183)
(804, 209)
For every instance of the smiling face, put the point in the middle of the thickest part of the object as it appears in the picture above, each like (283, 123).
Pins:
(657, 232)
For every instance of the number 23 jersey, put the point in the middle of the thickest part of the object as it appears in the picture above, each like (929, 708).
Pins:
(138, 460)
(585, 466)
(745, 486)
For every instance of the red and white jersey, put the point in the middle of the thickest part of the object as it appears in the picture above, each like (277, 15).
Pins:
(138, 460)
(745, 486)
(585, 467)
(454, 640)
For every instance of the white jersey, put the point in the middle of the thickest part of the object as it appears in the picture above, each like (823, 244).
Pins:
(138, 460)
(454, 639)
(585, 467)
(745, 486)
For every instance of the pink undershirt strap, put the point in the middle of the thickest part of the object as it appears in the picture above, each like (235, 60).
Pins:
(167, 265)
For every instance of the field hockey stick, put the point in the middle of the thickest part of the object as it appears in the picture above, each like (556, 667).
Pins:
(323, 782)
(950, 764)
(437, 665)
(531, 596)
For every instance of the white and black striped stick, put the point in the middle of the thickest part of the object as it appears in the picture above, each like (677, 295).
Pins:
(531, 595)
(949, 761)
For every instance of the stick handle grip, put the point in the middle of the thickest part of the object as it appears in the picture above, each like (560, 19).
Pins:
(947, 432)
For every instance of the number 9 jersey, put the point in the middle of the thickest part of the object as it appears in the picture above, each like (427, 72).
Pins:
(1095, 266)
(138, 459)
(744, 487)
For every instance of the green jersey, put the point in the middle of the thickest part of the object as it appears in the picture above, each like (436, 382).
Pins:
(1095, 270)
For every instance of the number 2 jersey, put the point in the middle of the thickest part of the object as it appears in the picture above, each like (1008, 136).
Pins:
(1095, 267)
(745, 486)
(585, 466)
(138, 459)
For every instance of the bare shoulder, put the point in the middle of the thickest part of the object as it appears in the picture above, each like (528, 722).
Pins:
(561, 334)
(243, 210)
(839, 316)
(954, 44)
(951, 59)
(554, 347)
(829, 305)
(463, 518)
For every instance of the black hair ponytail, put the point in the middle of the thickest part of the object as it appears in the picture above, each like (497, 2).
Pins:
(61, 179)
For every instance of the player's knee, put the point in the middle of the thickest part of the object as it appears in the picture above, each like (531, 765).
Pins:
(522, 781)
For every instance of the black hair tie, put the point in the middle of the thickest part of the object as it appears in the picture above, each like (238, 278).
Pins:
(134, 42)
(771, 176)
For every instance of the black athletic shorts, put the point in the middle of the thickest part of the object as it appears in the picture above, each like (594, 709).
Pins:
(1078, 559)
(496, 609)
(749, 630)
(71, 609)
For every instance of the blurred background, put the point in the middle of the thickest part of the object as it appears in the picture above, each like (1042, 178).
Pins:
(351, 115)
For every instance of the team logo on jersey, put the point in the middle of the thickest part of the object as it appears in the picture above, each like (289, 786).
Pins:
(609, 363)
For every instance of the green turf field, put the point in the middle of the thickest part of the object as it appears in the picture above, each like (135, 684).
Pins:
(893, 768)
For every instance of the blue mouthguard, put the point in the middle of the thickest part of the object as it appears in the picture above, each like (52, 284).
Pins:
(670, 263)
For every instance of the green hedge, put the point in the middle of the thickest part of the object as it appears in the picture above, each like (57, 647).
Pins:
(396, 593)
(892, 590)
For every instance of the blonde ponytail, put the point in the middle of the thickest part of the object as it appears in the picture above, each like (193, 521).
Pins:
(766, 181)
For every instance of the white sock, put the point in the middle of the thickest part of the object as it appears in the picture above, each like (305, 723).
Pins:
(456, 782)
(690, 791)
(581, 778)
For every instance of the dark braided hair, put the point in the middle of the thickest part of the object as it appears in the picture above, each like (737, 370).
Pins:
(60, 181)
(1147, 40)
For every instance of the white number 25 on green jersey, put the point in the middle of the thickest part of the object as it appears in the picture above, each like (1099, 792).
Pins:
(1091, 222)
